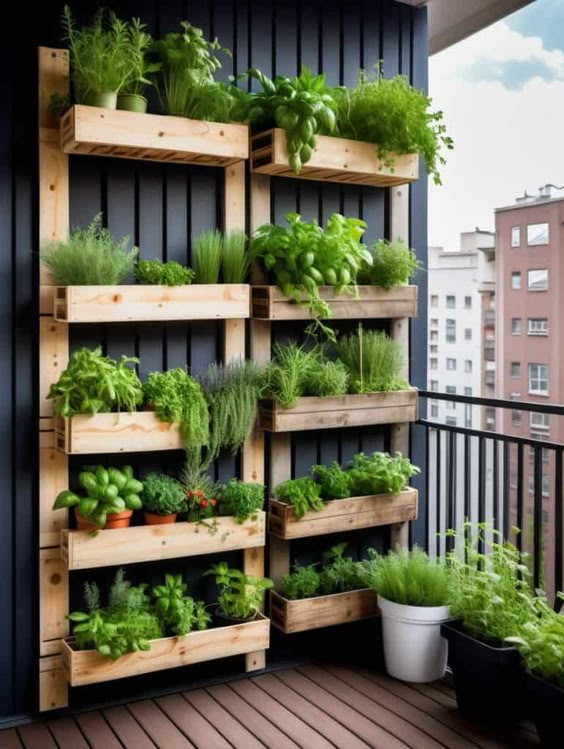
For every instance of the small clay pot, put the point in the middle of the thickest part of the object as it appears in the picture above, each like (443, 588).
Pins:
(82, 523)
(119, 519)
(152, 519)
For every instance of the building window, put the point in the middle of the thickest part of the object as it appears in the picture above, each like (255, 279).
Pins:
(515, 369)
(434, 322)
(434, 335)
(537, 326)
(468, 391)
(434, 349)
(467, 415)
(467, 302)
(451, 331)
(450, 389)
(539, 421)
(450, 301)
(515, 236)
(537, 280)
(515, 326)
(467, 334)
(544, 484)
(490, 418)
(538, 379)
(450, 406)
(433, 363)
(516, 280)
(544, 454)
(516, 418)
(434, 386)
(434, 411)
(468, 366)
(434, 300)
(451, 364)
(537, 234)
(451, 421)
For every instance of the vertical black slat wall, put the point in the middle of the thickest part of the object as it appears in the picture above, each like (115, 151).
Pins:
(161, 207)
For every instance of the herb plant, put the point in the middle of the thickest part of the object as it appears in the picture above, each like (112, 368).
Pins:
(327, 378)
(541, 644)
(108, 491)
(178, 612)
(302, 582)
(201, 490)
(162, 494)
(334, 483)
(89, 257)
(302, 493)
(393, 264)
(241, 499)
(374, 361)
(396, 117)
(285, 377)
(338, 572)
(207, 251)
(163, 274)
(140, 69)
(235, 259)
(410, 578)
(379, 473)
(240, 595)
(92, 383)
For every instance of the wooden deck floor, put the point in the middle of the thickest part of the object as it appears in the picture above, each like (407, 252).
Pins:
(310, 707)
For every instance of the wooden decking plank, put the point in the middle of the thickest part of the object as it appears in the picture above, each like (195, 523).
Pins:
(278, 714)
(226, 724)
(67, 734)
(309, 712)
(163, 732)
(391, 703)
(9, 739)
(195, 727)
(257, 724)
(369, 731)
(97, 731)
(431, 691)
(36, 736)
(126, 728)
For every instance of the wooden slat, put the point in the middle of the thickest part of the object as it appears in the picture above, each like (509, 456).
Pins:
(154, 542)
(269, 303)
(271, 736)
(343, 514)
(156, 724)
(36, 736)
(53, 358)
(280, 470)
(147, 302)
(333, 160)
(98, 733)
(53, 469)
(253, 564)
(193, 725)
(231, 729)
(141, 431)
(321, 611)
(9, 739)
(127, 729)
(66, 734)
(89, 667)
(152, 137)
(53, 584)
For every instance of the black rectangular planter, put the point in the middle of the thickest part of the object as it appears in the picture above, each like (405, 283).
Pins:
(547, 707)
(489, 681)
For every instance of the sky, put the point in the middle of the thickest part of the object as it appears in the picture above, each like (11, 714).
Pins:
(502, 95)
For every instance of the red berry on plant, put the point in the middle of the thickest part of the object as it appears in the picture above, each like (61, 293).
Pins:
(203, 503)
(213, 502)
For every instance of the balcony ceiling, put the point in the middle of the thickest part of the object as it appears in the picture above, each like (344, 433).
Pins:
(450, 21)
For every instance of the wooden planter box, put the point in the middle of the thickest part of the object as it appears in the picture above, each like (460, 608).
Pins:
(152, 137)
(340, 411)
(141, 431)
(322, 611)
(343, 515)
(333, 160)
(146, 543)
(95, 304)
(269, 303)
(89, 667)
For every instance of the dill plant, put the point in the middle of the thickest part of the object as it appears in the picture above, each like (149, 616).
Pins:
(373, 360)
(89, 257)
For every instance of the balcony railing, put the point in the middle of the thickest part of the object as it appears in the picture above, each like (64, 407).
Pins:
(508, 480)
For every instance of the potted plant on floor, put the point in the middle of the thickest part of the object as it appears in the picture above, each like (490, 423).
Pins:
(112, 495)
(163, 498)
(413, 596)
(240, 595)
(491, 600)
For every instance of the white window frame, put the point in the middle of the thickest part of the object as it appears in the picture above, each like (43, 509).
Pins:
(515, 280)
(451, 360)
(450, 330)
(536, 288)
(539, 421)
(518, 326)
(516, 236)
(537, 379)
(541, 329)
(531, 228)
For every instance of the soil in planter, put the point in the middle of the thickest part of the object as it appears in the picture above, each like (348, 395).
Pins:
(222, 620)
(547, 706)
(489, 681)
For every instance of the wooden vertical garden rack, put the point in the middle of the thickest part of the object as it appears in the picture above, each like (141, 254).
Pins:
(123, 135)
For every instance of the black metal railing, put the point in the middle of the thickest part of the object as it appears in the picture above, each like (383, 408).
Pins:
(503, 470)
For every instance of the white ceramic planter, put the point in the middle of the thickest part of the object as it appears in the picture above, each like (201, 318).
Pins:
(413, 647)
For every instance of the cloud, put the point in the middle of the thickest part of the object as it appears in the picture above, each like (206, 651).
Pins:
(507, 127)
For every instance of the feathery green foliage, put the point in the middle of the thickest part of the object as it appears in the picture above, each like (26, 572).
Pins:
(327, 378)
(336, 574)
(241, 499)
(302, 493)
(162, 494)
(334, 483)
(302, 582)
(235, 259)
(393, 264)
(140, 69)
(89, 257)
(292, 372)
(163, 274)
(206, 255)
(373, 360)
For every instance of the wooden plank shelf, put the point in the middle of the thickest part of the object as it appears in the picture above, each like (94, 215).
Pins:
(397, 406)
(152, 137)
(333, 160)
(89, 667)
(146, 543)
(373, 302)
(97, 304)
(321, 611)
(342, 515)
(141, 431)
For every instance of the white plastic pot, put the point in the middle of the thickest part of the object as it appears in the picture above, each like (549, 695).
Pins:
(413, 647)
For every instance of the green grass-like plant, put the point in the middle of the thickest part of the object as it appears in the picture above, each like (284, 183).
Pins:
(326, 378)
(89, 257)
(206, 255)
(373, 360)
(285, 379)
(162, 494)
(393, 264)
(156, 272)
(140, 69)
(235, 259)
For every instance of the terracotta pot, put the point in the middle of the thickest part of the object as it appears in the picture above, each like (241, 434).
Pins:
(119, 519)
(152, 519)
(82, 523)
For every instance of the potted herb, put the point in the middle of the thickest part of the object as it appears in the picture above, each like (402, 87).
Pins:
(413, 597)
(111, 495)
(200, 490)
(163, 274)
(140, 68)
(240, 595)
(393, 264)
(163, 498)
(99, 57)
(373, 361)
(302, 493)
(491, 600)
(241, 499)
